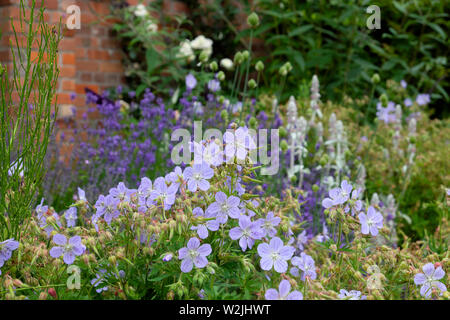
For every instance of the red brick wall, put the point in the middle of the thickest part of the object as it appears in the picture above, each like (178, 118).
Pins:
(89, 57)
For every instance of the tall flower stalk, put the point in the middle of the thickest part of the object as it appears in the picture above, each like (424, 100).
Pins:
(26, 104)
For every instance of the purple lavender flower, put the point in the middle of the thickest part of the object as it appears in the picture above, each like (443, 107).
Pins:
(202, 228)
(42, 218)
(269, 223)
(69, 249)
(162, 193)
(100, 205)
(283, 292)
(386, 114)
(225, 206)
(302, 240)
(167, 257)
(145, 188)
(71, 217)
(423, 99)
(211, 153)
(201, 294)
(275, 255)
(247, 232)
(338, 195)
(306, 264)
(352, 295)
(403, 84)
(408, 102)
(429, 280)
(370, 222)
(334, 199)
(6, 249)
(356, 207)
(191, 82)
(238, 144)
(122, 192)
(346, 189)
(175, 177)
(197, 177)
(41, 209)
(82, 195)
(213, 85)
(99, 279)
(194, 254)
(111, 211)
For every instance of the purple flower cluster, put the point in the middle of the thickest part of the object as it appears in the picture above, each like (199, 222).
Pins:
(6, 249)
(386, 114)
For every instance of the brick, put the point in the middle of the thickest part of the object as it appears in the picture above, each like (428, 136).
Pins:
(68, 58)
(86, 77)
(87, 65)
(99, 78)
(5, 2)
(68, 85)
(111, 67)
(67, 72)
(63, 98)
(69, 44)
(48, 4)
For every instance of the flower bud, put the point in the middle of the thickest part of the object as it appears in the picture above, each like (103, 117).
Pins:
(43, 295)
(213, 66)
(224, 114)
(384, 100)
(293, 179)
(245, 55)
(252, 122)
(259, 66)
(284, 145)
(315, 188)
(238, 58)
(204, 56)
(52, 292)
(282, 131)
(375, 78)
(113, 260)
(253, 20)
(221, 76)
(252, 84)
